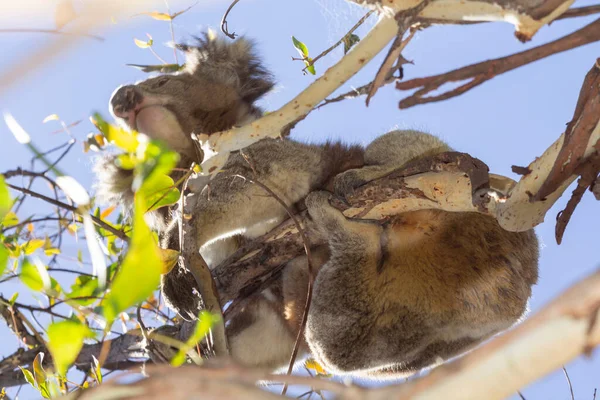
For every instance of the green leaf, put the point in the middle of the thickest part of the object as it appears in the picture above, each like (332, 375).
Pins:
(84, 286)
(28, 376)
(140, 271)
(10, 219)
(163, 68)
(206, 320)
(31, 246)
(350, 41)
(38, 370)
(310, 68)
(3, 258)
(65, 340)
(96, 370)
(159, 191)
(120, 137)
(30, 276)
(5, 200)
(13, 298)
(301, 47)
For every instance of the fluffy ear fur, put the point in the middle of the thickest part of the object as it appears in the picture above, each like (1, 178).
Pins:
(233, 64)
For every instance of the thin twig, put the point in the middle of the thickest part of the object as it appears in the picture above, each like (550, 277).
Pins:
(521, 395)
(120, 234)
(172, 29)
(310, 273)
(51, 31)
(347, 35)
(224, 27)
(569, 382)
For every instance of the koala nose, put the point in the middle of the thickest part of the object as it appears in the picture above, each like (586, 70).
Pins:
(125, 100)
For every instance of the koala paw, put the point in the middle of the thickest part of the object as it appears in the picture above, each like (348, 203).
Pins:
(321, 211)
(345, 183)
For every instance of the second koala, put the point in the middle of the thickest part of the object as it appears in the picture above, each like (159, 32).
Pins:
(389, 299)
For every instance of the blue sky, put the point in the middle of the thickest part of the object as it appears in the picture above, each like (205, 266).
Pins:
(507, 121)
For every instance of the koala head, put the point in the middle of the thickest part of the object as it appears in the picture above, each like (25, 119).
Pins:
(215, 91)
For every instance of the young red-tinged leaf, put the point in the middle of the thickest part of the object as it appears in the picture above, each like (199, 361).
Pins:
(65, 340)
(51, 117)
(141, 265)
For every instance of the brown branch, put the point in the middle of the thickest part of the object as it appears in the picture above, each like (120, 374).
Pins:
(579, 12)
(125, 352)
(577, 135)
(120, 234)
(479, 73)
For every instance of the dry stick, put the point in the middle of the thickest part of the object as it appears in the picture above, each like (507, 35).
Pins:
(477, 74)
(224, 21)
(172, 29)
(51, 31)
(192, 261)
(97, 221)
(569, 382)
(347, 35)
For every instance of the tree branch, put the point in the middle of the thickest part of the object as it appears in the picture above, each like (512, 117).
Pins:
(476, 74)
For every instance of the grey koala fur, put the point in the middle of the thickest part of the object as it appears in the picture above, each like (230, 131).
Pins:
(389, 298)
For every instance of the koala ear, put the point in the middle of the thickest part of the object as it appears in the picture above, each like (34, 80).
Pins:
(233, 64)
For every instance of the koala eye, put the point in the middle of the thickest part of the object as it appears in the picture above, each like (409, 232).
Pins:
(162, 82)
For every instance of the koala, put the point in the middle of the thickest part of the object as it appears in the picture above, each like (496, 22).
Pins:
(389, 298)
